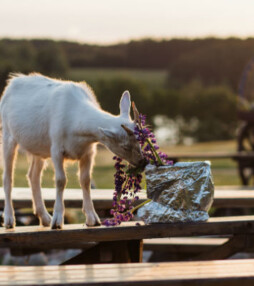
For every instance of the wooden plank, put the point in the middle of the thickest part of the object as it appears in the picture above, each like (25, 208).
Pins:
(74, 236)
(234, 188)
(233, 198)
(196, 248)
(217, 272)
(212, 155)
(22, 198)
(226, 197)
(183, 244)
(236, 244)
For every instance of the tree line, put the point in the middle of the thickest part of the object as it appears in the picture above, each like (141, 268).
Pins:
(212, 60)
(201, 87)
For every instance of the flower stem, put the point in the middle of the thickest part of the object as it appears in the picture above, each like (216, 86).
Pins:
(120, 193)
(155, 152)
(140, 205)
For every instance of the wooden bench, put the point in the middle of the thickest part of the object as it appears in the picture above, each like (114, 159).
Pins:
(176, 248)
(184, 245)
(224, 197)
(212, 155)
(124, 243)
(218, 272)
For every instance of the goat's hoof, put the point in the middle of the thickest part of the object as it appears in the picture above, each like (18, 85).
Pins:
(45, 220)
(57, 221)
(95, 222)
(9, 226)
(9, 223)
(56, 226)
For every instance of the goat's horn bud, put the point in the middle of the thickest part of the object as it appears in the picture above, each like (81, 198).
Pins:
(128, 131)
(136, 113)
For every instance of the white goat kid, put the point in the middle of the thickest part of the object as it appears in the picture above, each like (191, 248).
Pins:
(61, 120)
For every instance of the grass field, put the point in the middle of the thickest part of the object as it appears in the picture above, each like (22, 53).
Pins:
(152, 78)
(224, 170)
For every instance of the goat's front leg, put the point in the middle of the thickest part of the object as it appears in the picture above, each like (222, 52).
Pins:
(60, 180)
(85, 166)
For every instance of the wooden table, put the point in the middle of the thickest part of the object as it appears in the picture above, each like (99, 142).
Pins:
(124, 243)
(202, 273)
(224, 197)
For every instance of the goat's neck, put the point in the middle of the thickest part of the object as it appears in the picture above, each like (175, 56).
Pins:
(107, 121)
(99, 119)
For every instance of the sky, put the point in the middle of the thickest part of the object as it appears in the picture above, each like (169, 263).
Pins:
(112, 21)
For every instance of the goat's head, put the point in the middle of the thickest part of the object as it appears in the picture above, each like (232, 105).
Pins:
(121, 139)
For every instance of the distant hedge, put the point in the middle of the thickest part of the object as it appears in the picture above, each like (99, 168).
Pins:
(200, 93)
(211, 60)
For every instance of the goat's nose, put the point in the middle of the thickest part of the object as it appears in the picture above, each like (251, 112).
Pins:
(142, 162)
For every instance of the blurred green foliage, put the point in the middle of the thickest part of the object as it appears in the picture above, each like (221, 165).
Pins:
(50, 58)
(205, 113)
(27, 56)
(198, 89)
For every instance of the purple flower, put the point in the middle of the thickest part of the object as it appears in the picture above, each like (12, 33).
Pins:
(147, 148)
(128, 184)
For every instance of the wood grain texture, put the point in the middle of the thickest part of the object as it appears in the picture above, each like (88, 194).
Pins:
(218, 272)
(212, 155)
(234, 198)
(224, 197)
(236, 244)
(102, 198)
(183, 244)
(76, 235)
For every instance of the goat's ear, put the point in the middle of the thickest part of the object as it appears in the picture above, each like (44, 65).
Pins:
(125, 104)
(136, 113)
(128, 130)
(107, 133)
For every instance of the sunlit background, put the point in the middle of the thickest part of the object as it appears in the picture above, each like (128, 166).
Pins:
(106, 22)
(182, 61)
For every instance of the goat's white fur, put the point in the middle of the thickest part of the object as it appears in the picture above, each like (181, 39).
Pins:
(61, 120)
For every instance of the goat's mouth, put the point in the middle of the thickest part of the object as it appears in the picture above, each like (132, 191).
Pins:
(138, 167)
(140, 164)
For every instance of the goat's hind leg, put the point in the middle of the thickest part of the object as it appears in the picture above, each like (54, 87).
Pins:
(85, 165)
(60, 179)
(34, 177)
(9, 150)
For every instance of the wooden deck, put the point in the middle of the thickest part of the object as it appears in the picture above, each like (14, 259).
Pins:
(179, 238)
(186, 245)
(77, 235)
(212, 155)
(212, 273)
